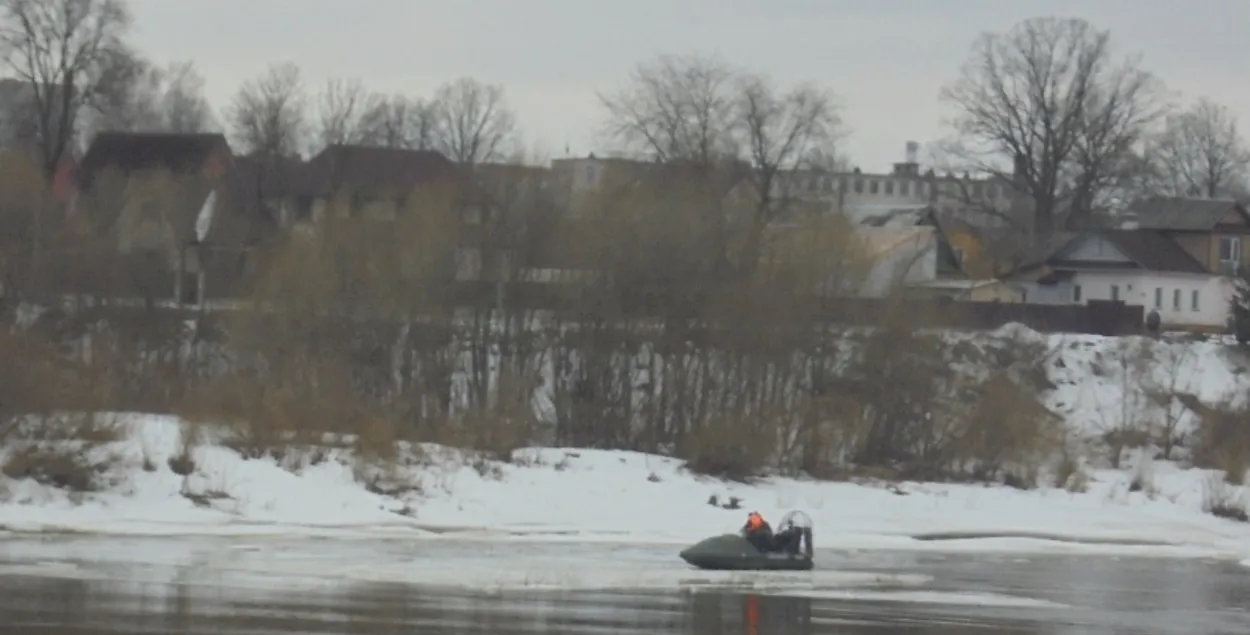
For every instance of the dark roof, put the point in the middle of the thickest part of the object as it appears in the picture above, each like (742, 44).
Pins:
(266, 176)
(1149, 249)
(130, 151)
(1181, 214)
(368, 167)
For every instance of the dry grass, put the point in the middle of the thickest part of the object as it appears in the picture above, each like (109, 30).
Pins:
(41, 393)
(1143, 479)
(737, 448)
(1223, 442)
(1069, 473)
(183, 463)
(903, 412)
(61, 467)
(1224, 500)
(1009, 434)
(267, 419)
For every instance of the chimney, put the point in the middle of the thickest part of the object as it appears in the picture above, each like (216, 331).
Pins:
(913, 152)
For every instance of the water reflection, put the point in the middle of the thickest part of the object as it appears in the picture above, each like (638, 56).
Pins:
(750, 614)
(197, 602)
(88, 607)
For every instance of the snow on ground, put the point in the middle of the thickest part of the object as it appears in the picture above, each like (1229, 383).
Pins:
(1101, 383)
(553, 494)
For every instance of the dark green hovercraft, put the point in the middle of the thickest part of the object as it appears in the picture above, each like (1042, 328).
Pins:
(788, 549)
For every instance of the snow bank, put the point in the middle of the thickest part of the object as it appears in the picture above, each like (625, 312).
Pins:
(584, 495)
(1105, 382)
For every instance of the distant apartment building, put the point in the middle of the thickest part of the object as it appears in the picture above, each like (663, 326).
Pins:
(865, 198)
(868, 198)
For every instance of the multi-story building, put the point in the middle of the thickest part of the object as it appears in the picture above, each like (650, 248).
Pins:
(865, 198)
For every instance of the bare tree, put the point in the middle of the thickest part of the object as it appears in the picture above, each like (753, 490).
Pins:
(675, 108)
(183, 105)
(828, 159)
(342, 110)
(144, 97)
(473, 121)
(701, 111)
(1048, 98)
(779, 132)
(63, 50)
(126, 98)
(268, 114)
(1200, 152)
(399, 122)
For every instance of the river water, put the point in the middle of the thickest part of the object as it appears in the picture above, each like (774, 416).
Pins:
(90, 585)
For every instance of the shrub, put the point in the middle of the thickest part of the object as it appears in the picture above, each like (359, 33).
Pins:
(903, 410)
(61, 467)
(1008, 435)
(499, 428)
(736, 448)
(1224, 500)
(267, 415)
(1223, 442)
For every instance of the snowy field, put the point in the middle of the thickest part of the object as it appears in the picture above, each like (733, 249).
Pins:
(623, 497)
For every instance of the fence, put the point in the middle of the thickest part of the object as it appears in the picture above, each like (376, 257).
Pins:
(1097, 317)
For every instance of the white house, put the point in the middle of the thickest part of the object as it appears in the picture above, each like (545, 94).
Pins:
(1137, 267)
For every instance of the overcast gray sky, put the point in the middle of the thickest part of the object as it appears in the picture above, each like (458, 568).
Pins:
(885, 59)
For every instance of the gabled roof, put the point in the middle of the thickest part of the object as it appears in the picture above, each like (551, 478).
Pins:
(1174, 213)
(1148, 249)
(371, 168)
(131, 151)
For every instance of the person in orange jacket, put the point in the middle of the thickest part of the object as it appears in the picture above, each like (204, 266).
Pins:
(758, 532)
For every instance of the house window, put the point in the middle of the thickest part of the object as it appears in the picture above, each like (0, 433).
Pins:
(1193, 300)
(1230, 254)
(1076, 293)
(1176, 300)
(1158, 297)
(904, 188)
(1115, 293)
(859, 186)
(889, 187)
(1230, 248)
(873, 187)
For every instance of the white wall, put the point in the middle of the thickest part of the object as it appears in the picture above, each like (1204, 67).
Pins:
(913, 261)
(1139, 288)
(1058, 293)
